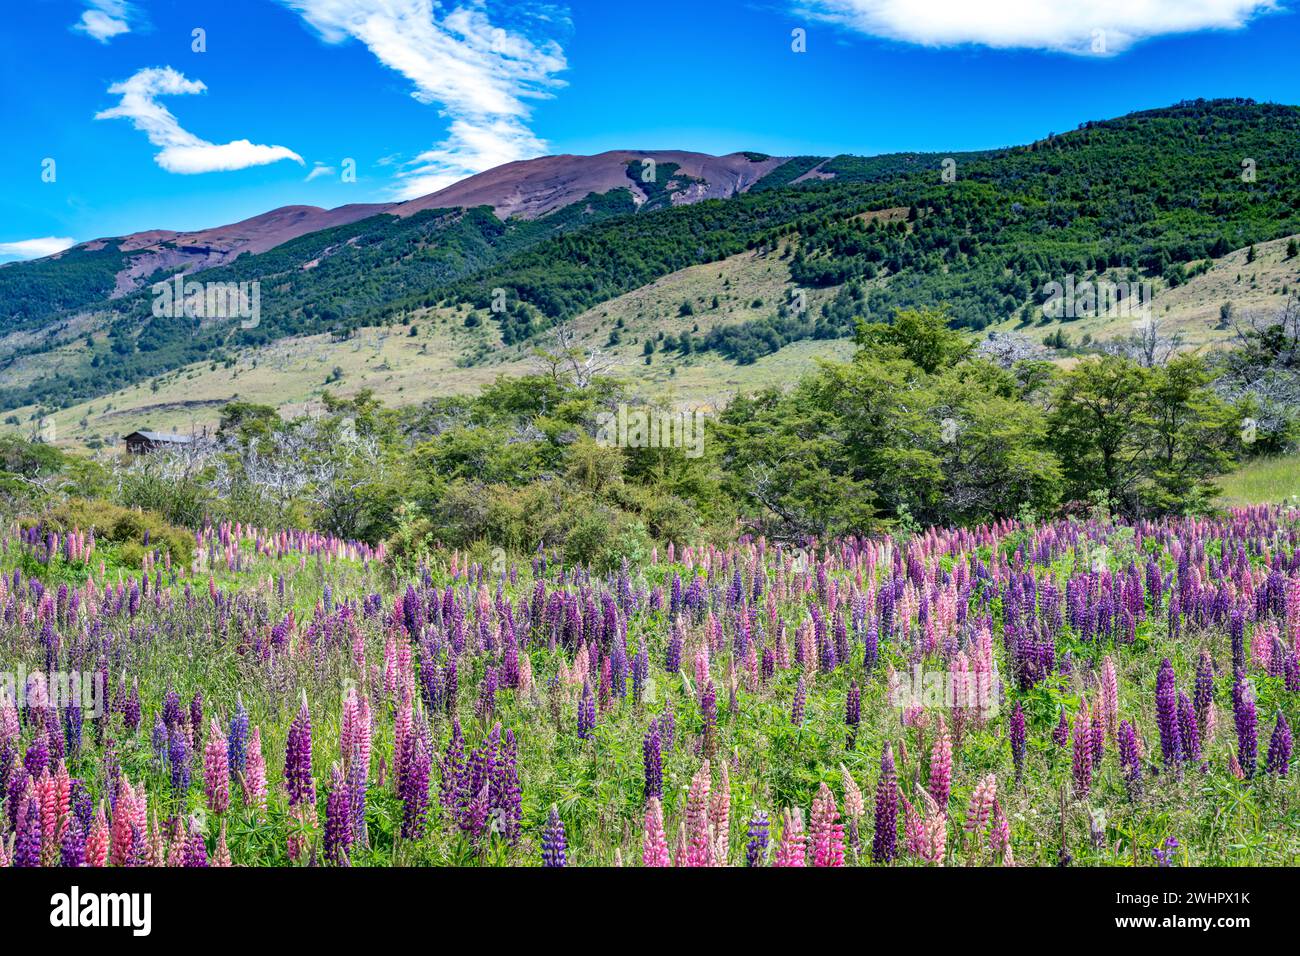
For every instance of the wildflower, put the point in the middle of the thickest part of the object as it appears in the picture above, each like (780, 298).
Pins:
(826, 833)
(885, 844)
(654, 845)
(216, 770)
(1279, 748)
(553, 843)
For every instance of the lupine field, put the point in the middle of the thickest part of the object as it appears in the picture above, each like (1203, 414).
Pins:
(1081, 692)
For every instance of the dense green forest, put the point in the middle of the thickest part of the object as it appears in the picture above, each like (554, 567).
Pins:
(1143, 196)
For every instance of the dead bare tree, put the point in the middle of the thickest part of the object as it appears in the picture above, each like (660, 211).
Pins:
(565, 356)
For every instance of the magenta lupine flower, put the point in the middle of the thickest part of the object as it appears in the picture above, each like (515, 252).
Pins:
(826, 833)
(654, 844)
(338, 825)
(792, 848)
(1243, 707)
(1108, 705)
(216, 770)
(884, 845)
(297, 758)
(1279, 748)
(553, 842)
(1167, 714)
(1018, 740)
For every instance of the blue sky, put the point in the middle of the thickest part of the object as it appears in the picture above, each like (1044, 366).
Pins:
(146, 132)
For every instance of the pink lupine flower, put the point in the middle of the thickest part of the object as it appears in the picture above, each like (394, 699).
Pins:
(720, 816)
(254, 778)
(794, 842)
(1000, 832)
(4, 854)
(97, 840)
(222, 856)
(941, 766)
(854, 806)
(826, 832)
(179, 845)
(699, 850)
(981, 804)
(401, 728)
(654, 844)
(46, 801)
(913, 828)
(216, 770)
(934, 844)
(121, 834)
(1109, 703)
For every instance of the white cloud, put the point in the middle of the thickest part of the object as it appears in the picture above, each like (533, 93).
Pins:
(105, 19)
(481, 75)
(319, 170)
(182, 151)
(35, 248)
(1082, 26)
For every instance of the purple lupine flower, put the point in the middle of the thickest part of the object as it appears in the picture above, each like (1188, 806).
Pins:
(1279, 748)
(1061, 733)
(709, 717)
(1247, 721)
(1203, 693)
(297, 758)
(1188, 732)
(586, 712)
(1167, 713)
(178, 756)
(853, 712)
(338, 825)
(414, 787)
(651, 750)
(131, 709)
(1165, 855)
(1129, 760)
(1018, 739)
(237, 739)
(72, 848)
(196, 851)
(553, 843)
(759, 832)
(884, 845)
(27, 842)
(506, 796)
(797, 707)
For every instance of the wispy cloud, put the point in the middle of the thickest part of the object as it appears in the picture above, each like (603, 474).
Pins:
(319, 170)
(105, 19)
(480, 73)
(182, 151)
(34, 248)
(1092, 27)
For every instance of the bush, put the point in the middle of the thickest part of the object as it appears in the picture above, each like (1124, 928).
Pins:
(127, 527)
